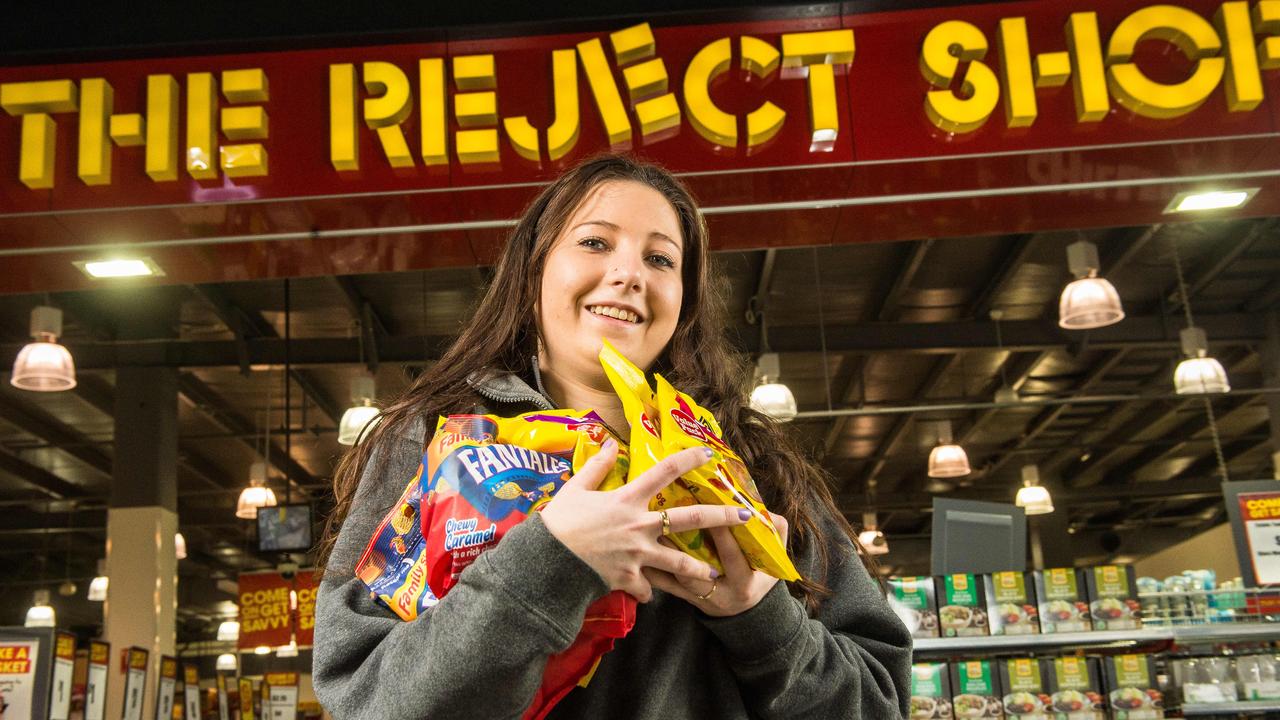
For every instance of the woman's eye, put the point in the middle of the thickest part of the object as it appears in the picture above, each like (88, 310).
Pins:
(663, 260)
(594, 243)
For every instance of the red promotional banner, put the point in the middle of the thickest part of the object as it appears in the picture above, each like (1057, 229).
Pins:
(264, 610)
(273, 608)
(305, 586)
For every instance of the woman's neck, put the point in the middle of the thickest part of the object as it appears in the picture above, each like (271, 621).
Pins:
(578, 394)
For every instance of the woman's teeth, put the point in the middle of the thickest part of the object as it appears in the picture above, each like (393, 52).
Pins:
(613, 312)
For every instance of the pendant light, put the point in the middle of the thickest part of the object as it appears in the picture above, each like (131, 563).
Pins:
(98, 586)
(257, 495)
(180, 546)
(288, 651)
(772, 398)
(262, 650)
(41, 614)
(1032, 496)
(947, 459)
(1198, 373)
(1088, 301)
(871, 538)
(229, 631)
(226, 662)
(362, 415)
(44, 365)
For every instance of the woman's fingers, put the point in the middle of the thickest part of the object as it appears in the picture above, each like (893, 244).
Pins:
(731, 557)
(693, 517)
(596, 469)
(678, 564)
(664, 472)
(667, 583)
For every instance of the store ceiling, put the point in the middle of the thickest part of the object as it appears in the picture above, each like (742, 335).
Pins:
(901, 333)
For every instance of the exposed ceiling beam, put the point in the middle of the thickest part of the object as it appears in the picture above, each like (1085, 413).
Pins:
(1014, 257)
(1141, 237)
(1127, 471)
(1231, 453)
(942, 367)
(41, 424)
(912, 259)
(1063, 498)
(1213, 266)
(39, 478)
(928, 338)
(361, 312)
(1018, 369)
(221, 412)
(1265, 300)
(1050, 415)
(250, 324)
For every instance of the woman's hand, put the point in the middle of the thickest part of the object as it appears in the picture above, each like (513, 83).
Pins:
(615, 532)
(738, 590)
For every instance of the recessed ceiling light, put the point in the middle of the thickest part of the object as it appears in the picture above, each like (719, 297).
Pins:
(119, 268)
(1216, 200)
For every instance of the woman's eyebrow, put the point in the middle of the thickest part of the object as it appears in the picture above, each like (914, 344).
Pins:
(654, 234)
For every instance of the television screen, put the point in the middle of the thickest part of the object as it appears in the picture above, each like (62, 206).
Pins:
(284, 528)
(977, 537)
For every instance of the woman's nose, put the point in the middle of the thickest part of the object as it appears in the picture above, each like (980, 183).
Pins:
(626, 271)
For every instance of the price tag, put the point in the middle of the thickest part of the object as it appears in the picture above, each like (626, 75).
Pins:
(95, 697)
(63, 669)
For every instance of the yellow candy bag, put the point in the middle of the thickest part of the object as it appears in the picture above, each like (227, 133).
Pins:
(723, 481)
(671, 422)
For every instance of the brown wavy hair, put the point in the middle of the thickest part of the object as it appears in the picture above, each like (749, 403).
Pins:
(502, 334)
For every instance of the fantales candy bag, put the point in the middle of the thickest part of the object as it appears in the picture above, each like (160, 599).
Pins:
(394, 565)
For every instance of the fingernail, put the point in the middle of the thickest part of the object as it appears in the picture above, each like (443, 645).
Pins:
(609, 444)
(744, 514)
(708, 452)
(714, 573)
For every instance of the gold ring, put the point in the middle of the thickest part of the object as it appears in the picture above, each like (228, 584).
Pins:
(714, 584)
(666, 523)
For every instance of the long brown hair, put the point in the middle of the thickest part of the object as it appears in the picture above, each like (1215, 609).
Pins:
(502, 335)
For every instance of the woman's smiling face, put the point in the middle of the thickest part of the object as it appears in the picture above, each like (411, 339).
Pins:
(613, 273)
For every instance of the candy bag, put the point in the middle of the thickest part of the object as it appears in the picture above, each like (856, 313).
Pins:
(723, 481)
(484, 475)
(393, 565)
(640, 408)
(671, 421)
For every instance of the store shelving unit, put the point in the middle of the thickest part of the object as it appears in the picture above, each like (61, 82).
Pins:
(1231, 708)
(1179, 635)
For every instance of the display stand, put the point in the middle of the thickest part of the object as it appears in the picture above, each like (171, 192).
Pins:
(26, 671)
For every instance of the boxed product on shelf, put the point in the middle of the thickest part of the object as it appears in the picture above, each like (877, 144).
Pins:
(1113, 597)
(930, 691)
(975, 685)
(961, 606)
(1132, 691)
(1025, 692)
(913, 599)
(1011, 604)
(1062, 598)
(1207, 680)
(1258, 676)
(1074, 687)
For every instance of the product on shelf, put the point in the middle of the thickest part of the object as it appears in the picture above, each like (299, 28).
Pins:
(930, 691)
(1259, 677)
(1025, 692)
(1075, 692)
(977, 690)
(961, 611)
(1206, 680)
(913, 599)
(1131, 687)
(1063, 607)
(1113, 598)
(1154, 605)
(1011, 604)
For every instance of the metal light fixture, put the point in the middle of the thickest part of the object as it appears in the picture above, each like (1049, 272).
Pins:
(262, 650)
(41, 614)
(257, 495)
(180, 546)
(362, 415)
(226, 662)
(1191, 201)
(98, 586)
(871, 538)
(119, 268)
(772, 398)
(229, 631)
(1032, 496)
(1198, 374)
(288, 651)
(1088, 301)
(44, 365)
(947, 459)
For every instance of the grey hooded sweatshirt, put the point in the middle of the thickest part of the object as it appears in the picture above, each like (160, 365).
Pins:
(479, 654)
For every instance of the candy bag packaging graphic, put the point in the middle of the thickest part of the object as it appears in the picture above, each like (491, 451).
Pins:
(682, 424)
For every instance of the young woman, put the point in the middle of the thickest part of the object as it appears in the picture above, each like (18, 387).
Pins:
(613, 249)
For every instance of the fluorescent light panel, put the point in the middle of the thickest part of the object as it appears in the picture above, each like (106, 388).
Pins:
(1213, 200)
(119, 268)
